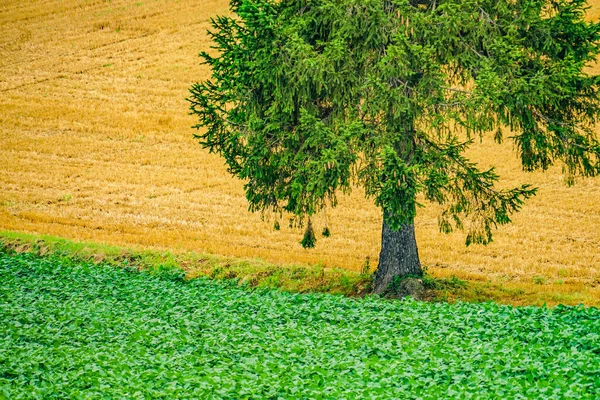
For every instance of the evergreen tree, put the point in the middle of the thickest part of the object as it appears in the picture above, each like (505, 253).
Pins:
(309, 98)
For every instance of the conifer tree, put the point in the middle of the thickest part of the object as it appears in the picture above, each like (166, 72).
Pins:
(310, 98)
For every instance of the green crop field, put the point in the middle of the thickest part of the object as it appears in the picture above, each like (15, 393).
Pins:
(79, 330)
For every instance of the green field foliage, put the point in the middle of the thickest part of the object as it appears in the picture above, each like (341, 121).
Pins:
(79, 330)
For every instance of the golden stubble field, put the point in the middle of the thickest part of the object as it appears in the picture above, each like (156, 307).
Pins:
(96, 145)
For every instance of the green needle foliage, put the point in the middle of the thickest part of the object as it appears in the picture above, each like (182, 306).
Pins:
(310, 97)
(309, 240)
(81, 331)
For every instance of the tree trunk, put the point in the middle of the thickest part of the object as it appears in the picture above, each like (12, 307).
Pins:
(398, 257)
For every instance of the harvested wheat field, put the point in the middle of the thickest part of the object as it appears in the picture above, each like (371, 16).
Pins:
(96, 145)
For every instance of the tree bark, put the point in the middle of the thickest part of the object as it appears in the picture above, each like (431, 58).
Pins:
(399, 256)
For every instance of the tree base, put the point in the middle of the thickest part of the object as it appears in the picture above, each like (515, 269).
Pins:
(399, 257)
(405, 287)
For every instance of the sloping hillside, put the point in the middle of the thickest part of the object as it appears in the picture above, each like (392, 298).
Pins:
(95, 144)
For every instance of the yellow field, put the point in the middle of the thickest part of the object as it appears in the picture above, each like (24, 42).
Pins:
(96, 145)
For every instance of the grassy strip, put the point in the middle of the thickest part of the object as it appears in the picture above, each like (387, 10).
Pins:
(299, 279)
(255, 273)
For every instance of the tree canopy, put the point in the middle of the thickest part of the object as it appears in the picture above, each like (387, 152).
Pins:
(310, 98)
